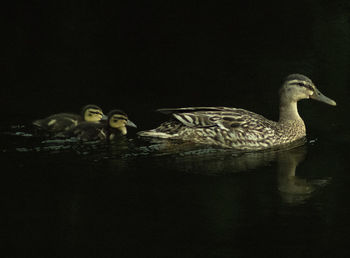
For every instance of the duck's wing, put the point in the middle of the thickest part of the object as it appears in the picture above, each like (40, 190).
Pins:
(222, 117)
(234, 127)
(58, 122)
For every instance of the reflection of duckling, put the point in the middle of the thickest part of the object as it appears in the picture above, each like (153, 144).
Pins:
(66, 121)
(115, 125)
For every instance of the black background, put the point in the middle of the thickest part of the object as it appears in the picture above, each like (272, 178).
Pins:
(139, 56)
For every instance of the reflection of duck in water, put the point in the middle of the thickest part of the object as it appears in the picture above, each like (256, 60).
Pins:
(294, 189)
(210, 161)
(287, 163)
(238, 128)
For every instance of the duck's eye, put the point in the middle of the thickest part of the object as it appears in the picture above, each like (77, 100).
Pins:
(301, 84)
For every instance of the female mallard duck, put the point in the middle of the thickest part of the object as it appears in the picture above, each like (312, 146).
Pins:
(116, 124)
(66, 121)
(241, 129)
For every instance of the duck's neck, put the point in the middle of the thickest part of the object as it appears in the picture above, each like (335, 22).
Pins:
(289, 111)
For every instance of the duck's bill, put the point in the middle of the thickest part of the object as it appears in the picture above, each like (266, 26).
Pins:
(130, 124)
(320, 97)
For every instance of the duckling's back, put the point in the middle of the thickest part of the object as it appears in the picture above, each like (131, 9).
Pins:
(86, 131)
(58, 122)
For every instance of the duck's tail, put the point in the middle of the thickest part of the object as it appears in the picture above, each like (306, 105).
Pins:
(156, 134)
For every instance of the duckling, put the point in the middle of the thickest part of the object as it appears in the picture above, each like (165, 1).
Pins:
(66, 121)
(116, 124)
(238, 128)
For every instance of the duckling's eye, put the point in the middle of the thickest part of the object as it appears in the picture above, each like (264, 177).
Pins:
(301, 84)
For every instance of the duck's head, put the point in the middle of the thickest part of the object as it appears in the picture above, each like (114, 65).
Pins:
(298, 86)
(119, 120)
(92, 113)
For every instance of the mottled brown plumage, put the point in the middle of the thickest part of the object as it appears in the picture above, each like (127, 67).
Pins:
(239, 128)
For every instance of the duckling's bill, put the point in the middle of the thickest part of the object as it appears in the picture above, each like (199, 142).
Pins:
(130, 124)
(104, 117)
(320, 97)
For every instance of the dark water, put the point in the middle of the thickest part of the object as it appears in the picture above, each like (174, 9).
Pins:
(156, 199)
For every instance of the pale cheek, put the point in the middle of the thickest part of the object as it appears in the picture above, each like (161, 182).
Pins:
(310, 94)
(123, 130)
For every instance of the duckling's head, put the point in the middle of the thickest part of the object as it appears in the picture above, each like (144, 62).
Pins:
(92, 113)
(298, 86)
(119, 120)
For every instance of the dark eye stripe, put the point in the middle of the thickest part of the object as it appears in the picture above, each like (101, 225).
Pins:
(120, 118)
(95, 112)
(308, 87)
(303, 85)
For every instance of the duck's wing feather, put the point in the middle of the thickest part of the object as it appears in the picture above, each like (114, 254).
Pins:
(222, 117)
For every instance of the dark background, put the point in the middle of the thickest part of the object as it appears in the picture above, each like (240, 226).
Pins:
(138, 56)
(142, 55)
